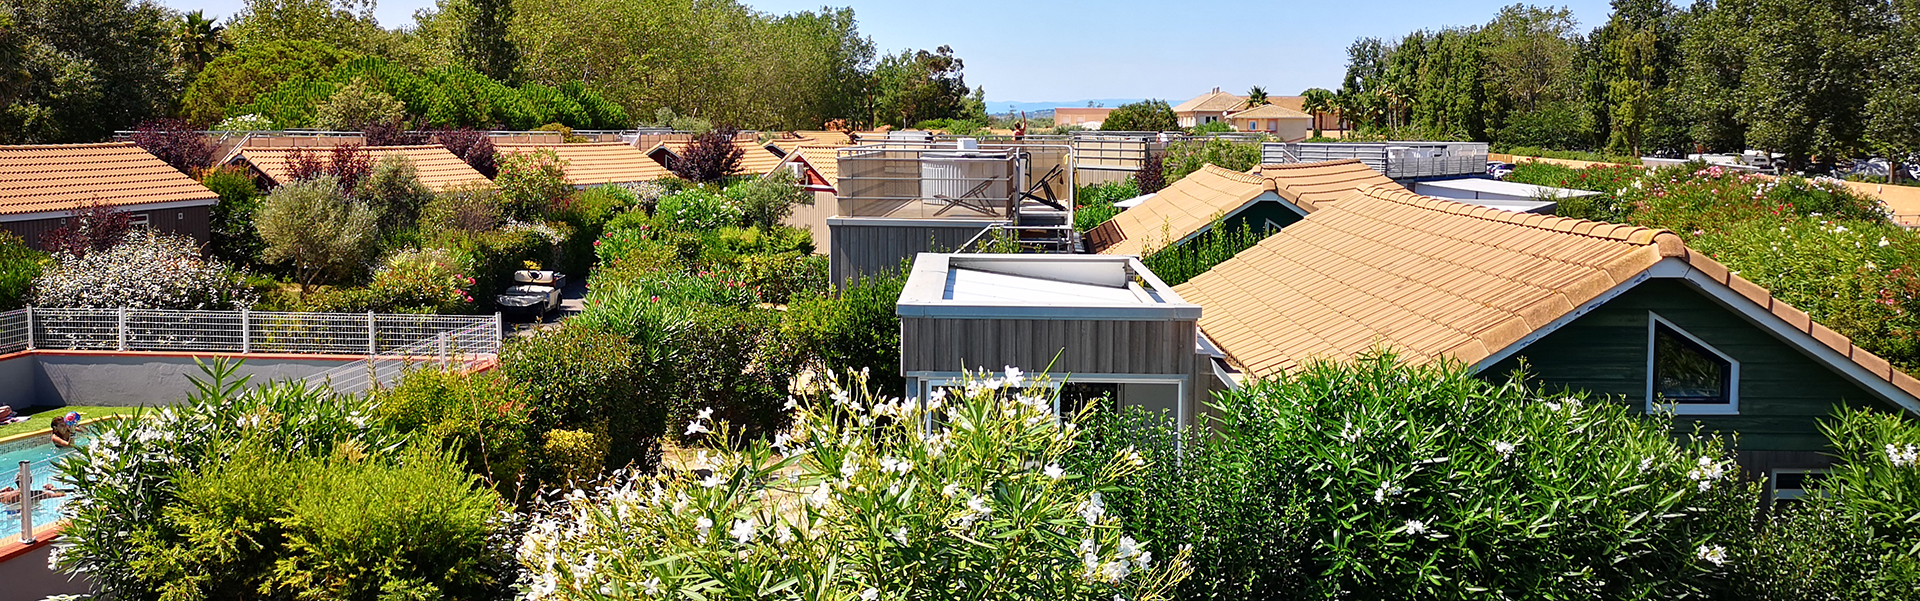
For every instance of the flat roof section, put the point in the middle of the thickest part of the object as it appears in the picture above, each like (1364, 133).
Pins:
(1497, 194)
(1038, 286)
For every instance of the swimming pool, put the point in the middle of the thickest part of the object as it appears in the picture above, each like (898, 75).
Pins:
(43, 455)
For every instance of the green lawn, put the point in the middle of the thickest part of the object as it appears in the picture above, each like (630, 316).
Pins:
(40, 415)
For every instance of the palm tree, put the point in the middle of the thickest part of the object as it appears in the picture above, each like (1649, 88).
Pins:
(197, 41)
(1256, 97)
(1317, 101)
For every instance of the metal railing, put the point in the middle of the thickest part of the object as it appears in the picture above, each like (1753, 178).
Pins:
(230, 331)
(466, 348)
(1397, 160)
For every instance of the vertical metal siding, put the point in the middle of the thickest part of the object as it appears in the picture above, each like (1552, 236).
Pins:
(1112, 347)
(859, 250)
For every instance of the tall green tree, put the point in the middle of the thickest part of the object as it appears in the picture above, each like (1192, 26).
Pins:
(345, 24)
(1708, 95)
(1317, 102)
(1809, 74)
(197, 40)
(918, 85)
(77, 70)
(1532, 58)
(1256, 97)
(1637, 56)
(1893, 112)
(480, 40)
(1145, 115)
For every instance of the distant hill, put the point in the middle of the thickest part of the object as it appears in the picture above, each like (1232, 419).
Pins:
(1035, 109)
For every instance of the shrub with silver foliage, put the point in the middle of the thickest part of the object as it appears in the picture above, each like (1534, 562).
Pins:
(145, 271)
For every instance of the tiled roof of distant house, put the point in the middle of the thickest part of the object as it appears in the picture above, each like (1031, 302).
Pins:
(599, 162)
(1212, 101)
(1433, 278)
(439, 169)
(755, 159)
(58, 178)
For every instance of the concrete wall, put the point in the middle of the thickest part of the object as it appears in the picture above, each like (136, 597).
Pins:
(24, 575)
(56, 378)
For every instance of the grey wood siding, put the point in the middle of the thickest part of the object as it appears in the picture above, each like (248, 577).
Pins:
(863, 250)
(189, 221)
(1103, 347)
(1783, 392)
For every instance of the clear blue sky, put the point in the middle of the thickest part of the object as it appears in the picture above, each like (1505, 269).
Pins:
(1064, 50)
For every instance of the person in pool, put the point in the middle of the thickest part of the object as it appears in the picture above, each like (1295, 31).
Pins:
(9, 496)
(63, 430)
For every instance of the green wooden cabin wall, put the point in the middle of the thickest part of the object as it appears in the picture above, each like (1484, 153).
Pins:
(1783, 392)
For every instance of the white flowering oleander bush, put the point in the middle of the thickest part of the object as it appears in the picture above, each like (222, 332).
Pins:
(147, 270)
(282, 491)
(1858, 535)
(866, 498)
(696, 209)
(1376, 479)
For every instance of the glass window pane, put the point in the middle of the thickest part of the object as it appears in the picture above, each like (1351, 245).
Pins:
(1684, 372)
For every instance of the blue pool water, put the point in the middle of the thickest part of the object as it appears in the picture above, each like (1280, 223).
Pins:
(43, 455)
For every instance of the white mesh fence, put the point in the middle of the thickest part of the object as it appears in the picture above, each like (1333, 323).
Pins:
(463, 348)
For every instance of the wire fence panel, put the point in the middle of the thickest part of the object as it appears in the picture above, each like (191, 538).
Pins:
(77, 329)
(240, 331)
(460, 349)
(13, 331)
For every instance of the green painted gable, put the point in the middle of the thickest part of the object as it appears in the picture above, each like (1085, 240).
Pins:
(1783, 393)
(1261, 212)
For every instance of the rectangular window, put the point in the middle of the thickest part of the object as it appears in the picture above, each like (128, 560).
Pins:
(139, 219)
(1792, 485)
(1686, 374)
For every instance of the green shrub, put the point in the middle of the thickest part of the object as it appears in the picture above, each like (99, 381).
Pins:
(1194, 257)
(765, 201)
(583, 379)
(697, 209)
(958, 127)
(394, 192)
(473, 208)
(1211, 127)
(1856, 536)
(1182, 158)
(19, 267)
(233, 238)
(588, 212)
(495, 255)
(1096, 202)
(574, 456)
(430, 280)
(277, 523)
(856, 329)
(731, 361)
(859, 501)
(279, 491)
(1375, 479)
(778, 278)
(532, 183)
(317, 231)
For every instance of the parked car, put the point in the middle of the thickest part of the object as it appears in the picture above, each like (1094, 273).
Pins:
(1499, 170)
(533, 293)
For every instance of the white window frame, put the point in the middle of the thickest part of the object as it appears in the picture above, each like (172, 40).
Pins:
(1773, 483)
(1732, 406)
(923, 389)
(140, 219)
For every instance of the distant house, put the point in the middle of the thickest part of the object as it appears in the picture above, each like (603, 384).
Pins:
(598, 163)
(1208, 108)
(1619, 310)
(755, 158)
(1325, 120)
(1279, 196)
(1274, 120)
(1081, 116)
(1101, 326)
(785, 143)
(41, 186)
(816, 168)
(439, 169)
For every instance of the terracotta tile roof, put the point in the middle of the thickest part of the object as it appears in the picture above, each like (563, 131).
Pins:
(439, 169)
(63, 177)
(822, 160)
(1269, 111)
(1312, 186)
(598, 163)
(1436, 278)
(754, 160)
(1212, 101)
(1177, 211)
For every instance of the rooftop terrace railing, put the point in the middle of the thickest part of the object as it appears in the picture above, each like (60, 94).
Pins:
(363, 334)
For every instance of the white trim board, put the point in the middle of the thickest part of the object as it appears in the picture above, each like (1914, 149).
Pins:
(128, 208)
(1676, 268)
